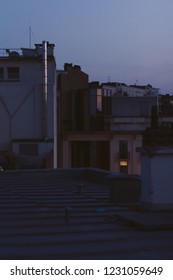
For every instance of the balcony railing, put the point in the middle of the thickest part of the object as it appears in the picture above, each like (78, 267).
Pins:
(10, 52)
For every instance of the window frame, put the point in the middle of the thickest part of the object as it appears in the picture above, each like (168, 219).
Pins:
(13, 75)
(2, 74)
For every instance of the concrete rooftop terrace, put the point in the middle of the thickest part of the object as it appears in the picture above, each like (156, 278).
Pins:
(67, 214)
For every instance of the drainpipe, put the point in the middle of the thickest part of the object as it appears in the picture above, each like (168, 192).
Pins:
(55, 148)
(45, 91)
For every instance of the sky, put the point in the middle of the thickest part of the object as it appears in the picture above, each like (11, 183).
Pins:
(127, 41)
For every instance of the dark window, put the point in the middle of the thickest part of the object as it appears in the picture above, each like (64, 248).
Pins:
(123, 150)
(107, 105)
(1, 73)
(28, 149)
(90, 153)
(13, 73)
(144, 109)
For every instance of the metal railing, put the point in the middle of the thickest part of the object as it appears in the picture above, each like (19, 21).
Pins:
(10, 52)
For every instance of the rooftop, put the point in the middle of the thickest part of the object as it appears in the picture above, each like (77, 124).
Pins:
(68, 214)
(14, 53)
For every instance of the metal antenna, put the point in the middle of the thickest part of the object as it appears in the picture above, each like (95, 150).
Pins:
(30, 37)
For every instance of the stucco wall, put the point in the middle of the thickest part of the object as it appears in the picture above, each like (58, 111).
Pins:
(157, 177)
(21, 103)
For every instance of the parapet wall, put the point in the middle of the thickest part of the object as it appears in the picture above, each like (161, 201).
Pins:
(122, 188)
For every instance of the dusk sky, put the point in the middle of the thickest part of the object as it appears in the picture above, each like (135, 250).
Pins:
(128, 41)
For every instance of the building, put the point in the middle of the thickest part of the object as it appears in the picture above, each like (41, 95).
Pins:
(104, 128)
(28, 107)
(156, 161)
(114, 88)
(72, 84)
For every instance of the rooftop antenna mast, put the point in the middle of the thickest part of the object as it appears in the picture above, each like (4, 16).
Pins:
(30, 31)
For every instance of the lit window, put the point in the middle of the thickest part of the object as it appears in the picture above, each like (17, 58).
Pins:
(123, 166)
(13, 73)
(123, 163)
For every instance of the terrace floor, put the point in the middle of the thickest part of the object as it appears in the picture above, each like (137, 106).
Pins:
(49, 214)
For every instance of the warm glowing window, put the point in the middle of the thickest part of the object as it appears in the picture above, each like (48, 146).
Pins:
(123, 166)
(123, 163)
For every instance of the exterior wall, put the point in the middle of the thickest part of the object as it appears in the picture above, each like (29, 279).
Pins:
(21, 101)
(146, 179)
(134, 141)
(125, 106)
(127, 124)
(73, 78)
(112, 117)
(157, 178)
(81, 141)
(166, 120)
(134, 164)
(161, 167)
(123, 118)
(110, 89)
(70, 81)
(66, 154)
(44, 148)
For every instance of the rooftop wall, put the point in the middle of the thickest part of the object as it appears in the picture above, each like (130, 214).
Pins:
(132, 106)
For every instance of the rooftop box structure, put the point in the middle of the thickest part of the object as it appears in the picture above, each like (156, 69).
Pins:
(156, 167)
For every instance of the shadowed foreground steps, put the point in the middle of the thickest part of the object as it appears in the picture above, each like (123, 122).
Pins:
(68, 214)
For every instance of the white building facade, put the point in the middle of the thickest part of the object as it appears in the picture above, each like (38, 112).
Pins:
(110, 89)
(28, 107)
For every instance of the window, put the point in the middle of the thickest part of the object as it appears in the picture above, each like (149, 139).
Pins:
(99, 99)
(144, 109)
(28, 149)
(1, 73)
(13, 73)
(107, 105)
(123, 166)
(123, 156)
(123, 149)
